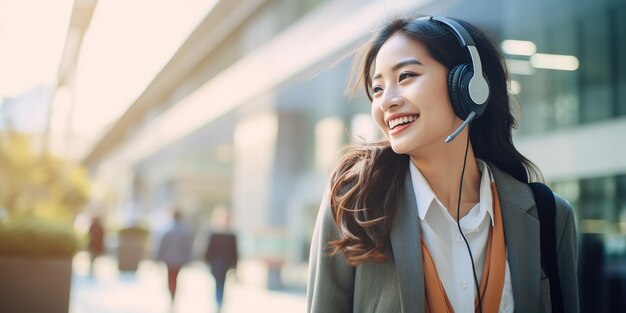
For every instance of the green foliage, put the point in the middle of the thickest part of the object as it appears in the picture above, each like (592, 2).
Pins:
(37, 238)
(36, 183)
(39, 196)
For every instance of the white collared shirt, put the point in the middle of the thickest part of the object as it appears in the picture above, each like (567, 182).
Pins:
(447, 247)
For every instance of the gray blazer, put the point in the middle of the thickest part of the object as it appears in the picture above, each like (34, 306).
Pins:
(398, 284)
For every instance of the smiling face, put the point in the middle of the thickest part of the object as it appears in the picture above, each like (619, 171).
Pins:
(410, 97)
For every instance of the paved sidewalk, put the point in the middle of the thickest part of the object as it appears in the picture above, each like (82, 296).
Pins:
(145, 291)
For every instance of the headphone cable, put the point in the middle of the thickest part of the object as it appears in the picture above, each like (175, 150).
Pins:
(458, 223)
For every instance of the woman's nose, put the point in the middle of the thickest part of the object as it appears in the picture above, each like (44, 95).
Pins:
(391, 101)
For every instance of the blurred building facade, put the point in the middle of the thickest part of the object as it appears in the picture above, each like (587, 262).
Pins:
(251, 112)
(26, 113)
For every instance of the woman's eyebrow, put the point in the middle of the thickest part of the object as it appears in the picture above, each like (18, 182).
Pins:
(399, 65)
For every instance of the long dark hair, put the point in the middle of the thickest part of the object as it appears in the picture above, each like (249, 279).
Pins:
(367, 184)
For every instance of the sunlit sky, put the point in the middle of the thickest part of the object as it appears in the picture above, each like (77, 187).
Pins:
(32, 34)
(126, 45)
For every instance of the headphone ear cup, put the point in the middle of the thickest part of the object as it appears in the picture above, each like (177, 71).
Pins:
(455, 90)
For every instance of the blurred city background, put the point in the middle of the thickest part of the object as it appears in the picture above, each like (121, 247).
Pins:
(128, 110)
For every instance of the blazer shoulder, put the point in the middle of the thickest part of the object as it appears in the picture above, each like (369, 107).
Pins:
(563, 207)
(325, 217)
(564, 220)
(331, 280)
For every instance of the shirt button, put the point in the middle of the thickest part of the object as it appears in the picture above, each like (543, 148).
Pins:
(459, 238)
(464, 284)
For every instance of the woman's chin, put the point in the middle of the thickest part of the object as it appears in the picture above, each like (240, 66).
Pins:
(400, 148)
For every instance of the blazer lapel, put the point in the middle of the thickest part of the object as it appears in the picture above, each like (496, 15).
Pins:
(407, 253)
(521, 232)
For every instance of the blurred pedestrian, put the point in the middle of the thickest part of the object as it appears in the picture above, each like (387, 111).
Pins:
(95, 245)
(221, 254)
(175, 249)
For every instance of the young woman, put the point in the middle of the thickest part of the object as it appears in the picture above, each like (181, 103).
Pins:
(438, 217)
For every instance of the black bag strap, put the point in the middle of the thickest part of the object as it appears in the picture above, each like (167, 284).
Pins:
(546, 209)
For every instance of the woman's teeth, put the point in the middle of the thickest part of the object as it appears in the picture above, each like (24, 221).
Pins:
(401, 120)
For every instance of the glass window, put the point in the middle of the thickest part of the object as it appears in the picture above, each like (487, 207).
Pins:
(619, 44)
(564, 84)
(597, 203)
(535, 97)
(595, 68)
(621, 204)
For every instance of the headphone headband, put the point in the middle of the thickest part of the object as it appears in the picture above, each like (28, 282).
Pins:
(478, 87)
(464, 37)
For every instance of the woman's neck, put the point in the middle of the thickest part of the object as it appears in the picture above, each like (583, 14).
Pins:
(442, 171)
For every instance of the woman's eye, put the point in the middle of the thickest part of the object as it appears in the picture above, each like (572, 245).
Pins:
(376, 89)
(405, 75)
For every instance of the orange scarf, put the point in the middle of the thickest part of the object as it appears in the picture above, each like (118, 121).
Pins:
(492, 281)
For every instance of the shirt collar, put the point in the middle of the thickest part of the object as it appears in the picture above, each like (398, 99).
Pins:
(425, 195)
